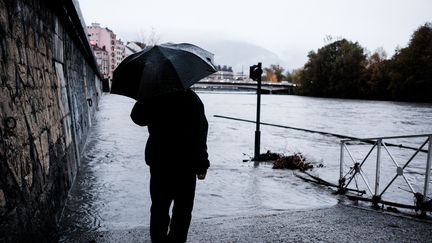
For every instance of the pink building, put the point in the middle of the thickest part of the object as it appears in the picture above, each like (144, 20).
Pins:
(105, 38)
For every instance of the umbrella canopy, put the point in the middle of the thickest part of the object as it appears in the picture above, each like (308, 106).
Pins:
(161, 69)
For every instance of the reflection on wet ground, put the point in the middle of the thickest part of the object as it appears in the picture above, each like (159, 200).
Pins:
(111, 189)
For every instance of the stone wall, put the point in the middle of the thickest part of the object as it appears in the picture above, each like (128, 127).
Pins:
(49, 92)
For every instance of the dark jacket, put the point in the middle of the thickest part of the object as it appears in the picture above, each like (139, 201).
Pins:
(177, 131)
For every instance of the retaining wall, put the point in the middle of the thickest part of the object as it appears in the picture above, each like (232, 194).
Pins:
(49, 92)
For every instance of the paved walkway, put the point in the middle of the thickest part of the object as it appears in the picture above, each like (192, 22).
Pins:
(111, 192)
(339, 223)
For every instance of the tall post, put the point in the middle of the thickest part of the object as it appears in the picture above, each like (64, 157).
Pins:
(428, 168)
(258, 118)
(341, 162)
(255, 74)
(378, 167)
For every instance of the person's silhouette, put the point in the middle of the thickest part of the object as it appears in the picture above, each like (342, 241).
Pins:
(176, 152)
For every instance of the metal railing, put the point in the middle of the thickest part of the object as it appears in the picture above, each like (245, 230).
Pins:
(373, 192)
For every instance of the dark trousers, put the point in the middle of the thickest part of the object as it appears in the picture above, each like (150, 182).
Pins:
(167, 186)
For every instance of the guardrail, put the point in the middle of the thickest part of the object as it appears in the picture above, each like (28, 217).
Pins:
(246, 83)
(373, 192)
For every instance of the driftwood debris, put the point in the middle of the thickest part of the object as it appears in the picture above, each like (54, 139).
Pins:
(293, 162)
(269, 156)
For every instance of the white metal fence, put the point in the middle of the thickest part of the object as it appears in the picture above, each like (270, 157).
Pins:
(372, 184)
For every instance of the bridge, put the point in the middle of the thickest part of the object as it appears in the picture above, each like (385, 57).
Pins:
(243, 85)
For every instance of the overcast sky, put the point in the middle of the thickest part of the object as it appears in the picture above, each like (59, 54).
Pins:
(288, 28)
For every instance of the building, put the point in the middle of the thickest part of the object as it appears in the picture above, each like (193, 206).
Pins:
(105, 38)
(223, 73)
(133, 47)
(120, 52)
(102, 58)
(241, 76)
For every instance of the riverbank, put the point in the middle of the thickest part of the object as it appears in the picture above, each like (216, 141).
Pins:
(111, 197)
(339, 223)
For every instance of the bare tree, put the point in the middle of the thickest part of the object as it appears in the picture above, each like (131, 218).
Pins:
(149, 39)
(330, 39)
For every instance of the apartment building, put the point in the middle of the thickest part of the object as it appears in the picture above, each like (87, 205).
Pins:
(105, 39)
(102, 58)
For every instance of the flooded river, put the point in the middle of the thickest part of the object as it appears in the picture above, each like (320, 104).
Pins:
(111, 190)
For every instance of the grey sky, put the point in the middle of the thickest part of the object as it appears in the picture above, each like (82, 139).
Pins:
(288, 28)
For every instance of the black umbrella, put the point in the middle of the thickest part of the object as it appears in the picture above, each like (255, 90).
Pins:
(161, 69)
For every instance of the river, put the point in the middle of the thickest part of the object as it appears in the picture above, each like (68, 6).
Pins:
(111, 189)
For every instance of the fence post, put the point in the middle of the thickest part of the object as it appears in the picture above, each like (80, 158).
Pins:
(341, 182)
(428, 167)
(376, 198)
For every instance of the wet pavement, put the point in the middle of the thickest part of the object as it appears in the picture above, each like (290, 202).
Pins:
(340, 223)
(237, 202)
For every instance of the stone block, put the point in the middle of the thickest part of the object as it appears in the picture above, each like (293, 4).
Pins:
(27, 167)
(13, 159)
(37, 76)
(4, 19)
(32, 60)
(28, 120)
(42, 78)
(13, 50)
(43, 151)
(51, 79)
(58, 49)
(42, 46)
(58, 30)
(50, 48)
(55, 133)
(4, 50)
(30, 37)
(43, 62)
(10, 74)
(21, 74)
(17, 29)
(2, 199)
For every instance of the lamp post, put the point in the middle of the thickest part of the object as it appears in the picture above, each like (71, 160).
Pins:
(255, 73)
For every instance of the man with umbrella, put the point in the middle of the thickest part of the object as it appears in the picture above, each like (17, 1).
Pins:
(176, 149)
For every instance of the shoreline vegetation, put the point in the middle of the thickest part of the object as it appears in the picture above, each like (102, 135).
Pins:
(345, 69)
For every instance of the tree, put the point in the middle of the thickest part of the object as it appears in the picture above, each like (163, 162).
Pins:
(377, 75)
(288, 76)
(278, 70)
(296, 80)
(411, 68)
(335, 70)
(269, 75)
(274, 73)
(150, 39)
